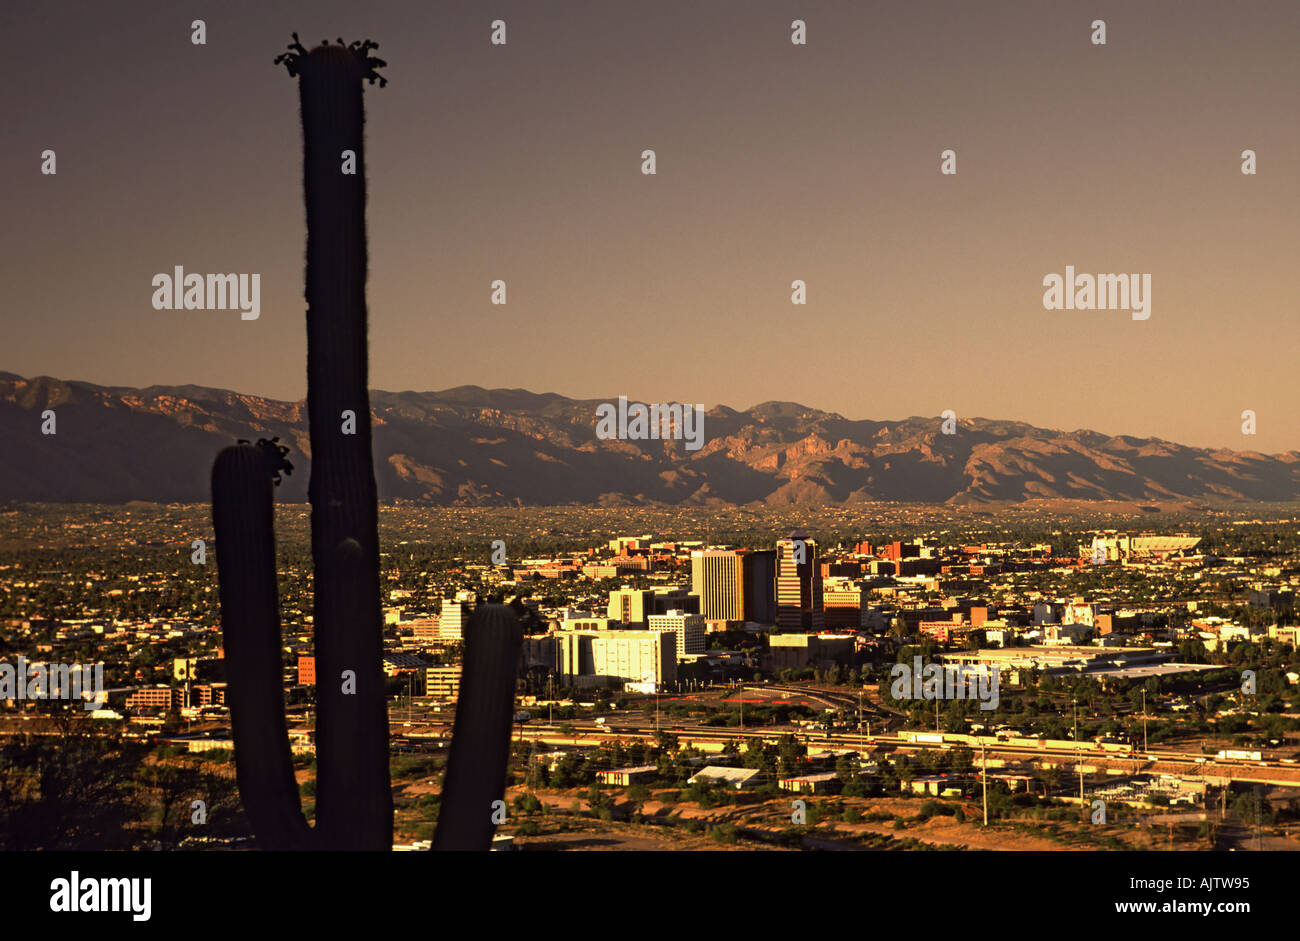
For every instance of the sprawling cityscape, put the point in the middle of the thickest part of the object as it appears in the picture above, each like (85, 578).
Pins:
(438, 440)
(731, 679)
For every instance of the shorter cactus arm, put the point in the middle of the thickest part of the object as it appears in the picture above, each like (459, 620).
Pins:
(243, 519)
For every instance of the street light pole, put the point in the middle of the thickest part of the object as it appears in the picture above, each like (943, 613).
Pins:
(1145, 746)
(984, 779)
(1078, 763)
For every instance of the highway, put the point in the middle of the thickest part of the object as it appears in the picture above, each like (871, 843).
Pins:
(588, 734)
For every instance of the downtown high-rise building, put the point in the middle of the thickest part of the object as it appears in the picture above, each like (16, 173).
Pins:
(798, 584)
(844, 602)
(734, 585)
(455, 616)
(629, 606)
(688, 628)
(615, 657)
(717, 576)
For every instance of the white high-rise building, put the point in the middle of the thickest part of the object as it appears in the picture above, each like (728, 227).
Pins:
(614, 657)
(688, 628)
(455, 615)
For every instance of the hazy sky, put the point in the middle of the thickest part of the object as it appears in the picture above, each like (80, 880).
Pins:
(775, 162)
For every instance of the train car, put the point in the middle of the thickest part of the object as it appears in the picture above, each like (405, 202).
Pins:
(1235, 754)
(932, 738)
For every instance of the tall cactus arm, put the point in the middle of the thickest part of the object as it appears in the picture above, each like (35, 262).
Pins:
(250, 623)
(353, 792)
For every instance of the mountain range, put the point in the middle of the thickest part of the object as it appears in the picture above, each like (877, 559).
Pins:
(470, 446)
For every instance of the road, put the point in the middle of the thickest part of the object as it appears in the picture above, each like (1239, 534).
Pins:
(587, 733)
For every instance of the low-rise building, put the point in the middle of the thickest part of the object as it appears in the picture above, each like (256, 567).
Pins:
(732, 777)
(627, 776)
(442, 682)
(820, 783)
(795, 651)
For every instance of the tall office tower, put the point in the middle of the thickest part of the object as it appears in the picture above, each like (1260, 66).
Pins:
(717, 577)
(735, 585)
(798, 584)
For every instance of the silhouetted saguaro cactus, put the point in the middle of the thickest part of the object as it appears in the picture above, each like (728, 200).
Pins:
(353, 792)
(243, 518)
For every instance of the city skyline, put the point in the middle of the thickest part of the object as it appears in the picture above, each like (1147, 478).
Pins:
(959, 641)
